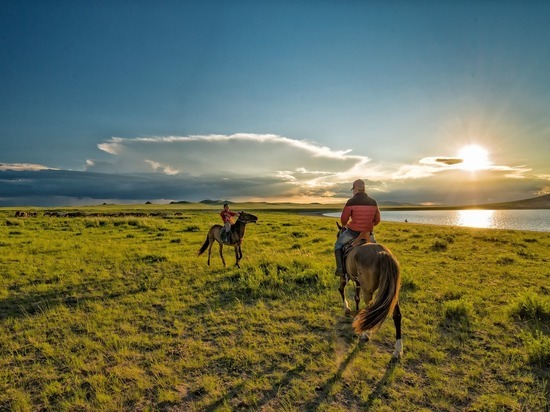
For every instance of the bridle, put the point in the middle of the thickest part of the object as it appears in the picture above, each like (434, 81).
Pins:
(244, 221)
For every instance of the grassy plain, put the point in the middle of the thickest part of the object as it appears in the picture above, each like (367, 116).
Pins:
(109, 313)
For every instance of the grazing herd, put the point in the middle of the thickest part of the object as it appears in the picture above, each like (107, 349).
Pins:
(21, 213)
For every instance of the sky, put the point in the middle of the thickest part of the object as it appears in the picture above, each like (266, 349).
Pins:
(429, 102)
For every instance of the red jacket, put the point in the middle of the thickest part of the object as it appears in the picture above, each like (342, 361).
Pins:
(227, 215)
(363, 211)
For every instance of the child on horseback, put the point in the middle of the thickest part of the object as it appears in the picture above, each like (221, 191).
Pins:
(360, 214)
(227, 217)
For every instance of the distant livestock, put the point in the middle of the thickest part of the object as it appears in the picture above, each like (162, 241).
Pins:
(78, 213)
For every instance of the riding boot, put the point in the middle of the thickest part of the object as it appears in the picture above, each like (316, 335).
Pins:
(338, 256)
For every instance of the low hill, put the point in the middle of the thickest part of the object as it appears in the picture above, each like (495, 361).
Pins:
(389, 203)
(215, 202)
(540, 202)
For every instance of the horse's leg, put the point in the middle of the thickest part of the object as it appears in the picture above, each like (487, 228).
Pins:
(367, 295)
(210, 244)
(357, 295)
(237, 255)
(397, 322)
(221, 254)
(342, 290)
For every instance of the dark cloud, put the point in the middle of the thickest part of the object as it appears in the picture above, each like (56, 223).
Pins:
(448, 161)
(64, 185)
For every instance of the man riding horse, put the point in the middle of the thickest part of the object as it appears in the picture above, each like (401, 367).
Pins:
(227, 217)
(359, 216)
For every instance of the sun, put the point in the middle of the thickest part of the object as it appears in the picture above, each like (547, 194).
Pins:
(473, 158)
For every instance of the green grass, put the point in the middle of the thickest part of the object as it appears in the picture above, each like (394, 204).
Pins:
(105, 313)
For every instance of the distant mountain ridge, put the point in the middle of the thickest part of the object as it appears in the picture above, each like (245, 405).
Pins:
(395, 204)
(204, 202)
(540, 202)
(216, 202)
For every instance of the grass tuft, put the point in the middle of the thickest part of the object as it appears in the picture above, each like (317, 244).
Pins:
(537, 347)
(458, 312)
(532, 307)
(439, 245)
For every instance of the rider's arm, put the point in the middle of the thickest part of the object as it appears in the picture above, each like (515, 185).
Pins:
(376, 218)
(346, 214)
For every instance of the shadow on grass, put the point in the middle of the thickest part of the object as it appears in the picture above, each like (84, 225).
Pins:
(29, 304)
(379, 389)
(324, 391)
(268, 395)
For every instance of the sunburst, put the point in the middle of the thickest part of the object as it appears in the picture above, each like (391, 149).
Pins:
(474, 158)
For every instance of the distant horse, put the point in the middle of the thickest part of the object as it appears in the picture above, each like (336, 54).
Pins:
(373, 268)
(237, 234)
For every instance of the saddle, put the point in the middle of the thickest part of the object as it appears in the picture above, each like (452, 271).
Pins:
(226, 236)
(229, 238)
(364, 237)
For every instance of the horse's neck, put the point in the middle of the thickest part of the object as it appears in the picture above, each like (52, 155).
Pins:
(239, 226)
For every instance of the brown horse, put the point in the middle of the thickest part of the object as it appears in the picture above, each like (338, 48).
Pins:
(374, 268)
(237, 234)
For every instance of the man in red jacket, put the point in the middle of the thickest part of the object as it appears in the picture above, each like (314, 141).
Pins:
(360, 214)
(227, 217)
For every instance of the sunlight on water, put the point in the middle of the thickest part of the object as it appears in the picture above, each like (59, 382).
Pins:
(476, 218)
(538, 220)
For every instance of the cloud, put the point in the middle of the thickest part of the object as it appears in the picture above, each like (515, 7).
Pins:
(22, 166)
(257, 167)
(296, 167)
(238, 154)
(448, 161)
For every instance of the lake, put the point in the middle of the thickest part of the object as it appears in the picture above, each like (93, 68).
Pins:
(536, 220)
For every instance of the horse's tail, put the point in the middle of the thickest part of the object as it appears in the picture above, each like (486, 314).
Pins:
(371, 318)
(203, 247)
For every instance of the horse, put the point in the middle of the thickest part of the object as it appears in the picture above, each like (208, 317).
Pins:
(237, 234)
(373, 267)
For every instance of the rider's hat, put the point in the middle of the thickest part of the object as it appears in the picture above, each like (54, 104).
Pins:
(359, 185)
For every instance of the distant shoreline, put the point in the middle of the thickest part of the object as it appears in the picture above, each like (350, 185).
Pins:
(537, 203)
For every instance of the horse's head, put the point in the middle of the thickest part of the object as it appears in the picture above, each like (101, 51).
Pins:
(247, 217)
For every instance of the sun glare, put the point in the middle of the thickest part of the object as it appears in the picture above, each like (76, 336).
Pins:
(473, 158)
(475, 218)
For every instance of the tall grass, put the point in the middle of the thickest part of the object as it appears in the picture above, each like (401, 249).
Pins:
(105, 312)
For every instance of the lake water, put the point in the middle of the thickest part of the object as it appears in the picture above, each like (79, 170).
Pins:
(536, 220)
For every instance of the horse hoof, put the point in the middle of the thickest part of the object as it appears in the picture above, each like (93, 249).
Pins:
(398, 353)
(364, 337)
(348, 313)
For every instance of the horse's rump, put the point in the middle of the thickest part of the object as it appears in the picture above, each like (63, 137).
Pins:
(389, 283)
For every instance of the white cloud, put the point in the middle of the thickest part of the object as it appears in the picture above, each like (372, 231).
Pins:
(237, 155)
(23, 166)
(167, 170)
